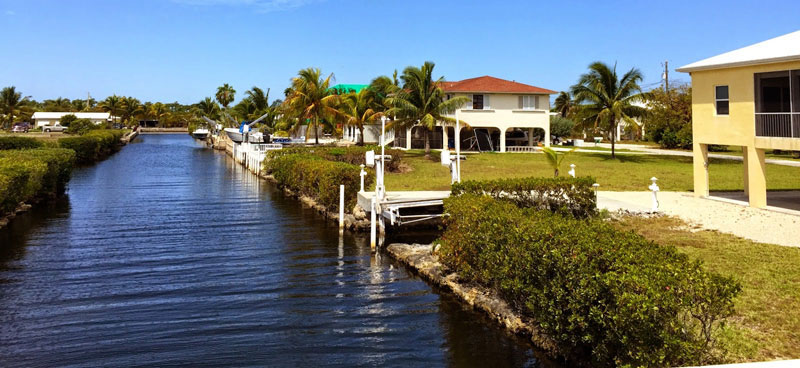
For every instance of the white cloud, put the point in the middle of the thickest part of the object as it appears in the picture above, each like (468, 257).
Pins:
(265, 6)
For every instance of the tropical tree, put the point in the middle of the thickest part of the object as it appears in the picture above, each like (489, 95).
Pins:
(58, 104)
(554, 159)
(311, 98)
(225, 95)
(131, 107)
(384, 86)
(10, 103)
(563, 104)
(421, 101)
(246, 109)
(259, 98)
(158, 111)
(209, 108)
(360, 108)
(605, 99)
(112, 104)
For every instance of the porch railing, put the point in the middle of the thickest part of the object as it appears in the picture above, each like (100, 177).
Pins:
(778, 124)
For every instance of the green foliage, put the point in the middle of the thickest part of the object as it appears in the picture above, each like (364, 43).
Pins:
(33, 173)
(94, 145)
(82, 126)
(574, 196)
(355, 155)
(68, 119)
(554, 159)
(12, 142)
(317, 178)
(605, 297)
(560, 126)
(669, 121)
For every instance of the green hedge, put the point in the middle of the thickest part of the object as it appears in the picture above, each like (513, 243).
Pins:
(354, 155)
(32, 174)
(94, 145)
(607, 298)
(9, 143)
(574, 196)
(317, 178)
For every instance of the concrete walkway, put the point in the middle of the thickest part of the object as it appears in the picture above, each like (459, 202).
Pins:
(640, 150)
(772, 225)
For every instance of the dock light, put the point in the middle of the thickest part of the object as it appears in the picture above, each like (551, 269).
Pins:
(571, 170)
(595, 186)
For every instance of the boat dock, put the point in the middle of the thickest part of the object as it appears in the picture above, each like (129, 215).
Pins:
(405, 208)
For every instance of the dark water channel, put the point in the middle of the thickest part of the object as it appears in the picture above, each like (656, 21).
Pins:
(169, 254)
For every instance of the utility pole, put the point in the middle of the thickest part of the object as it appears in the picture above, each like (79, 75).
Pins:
(666, 76)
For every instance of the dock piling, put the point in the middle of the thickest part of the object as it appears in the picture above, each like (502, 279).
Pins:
(372, 232)
(341, 207)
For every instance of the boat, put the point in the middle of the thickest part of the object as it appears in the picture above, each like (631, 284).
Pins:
(200, 134)
(257, 137)
(234, 134)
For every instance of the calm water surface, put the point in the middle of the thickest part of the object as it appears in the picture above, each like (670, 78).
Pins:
(169, 254)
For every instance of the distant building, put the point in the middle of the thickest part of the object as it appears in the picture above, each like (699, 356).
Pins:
(41, 118)
(750, 98)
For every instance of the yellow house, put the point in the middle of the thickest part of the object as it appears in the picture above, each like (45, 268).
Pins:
(749, 97)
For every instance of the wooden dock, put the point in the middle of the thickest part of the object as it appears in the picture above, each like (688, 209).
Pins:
(405, 208)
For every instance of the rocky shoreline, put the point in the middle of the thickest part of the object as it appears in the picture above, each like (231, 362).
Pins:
(422, 259)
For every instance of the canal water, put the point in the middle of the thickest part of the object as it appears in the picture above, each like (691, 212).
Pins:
(168, 253)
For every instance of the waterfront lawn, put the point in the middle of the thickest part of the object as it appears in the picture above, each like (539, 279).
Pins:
(625, 173)
(768, 309)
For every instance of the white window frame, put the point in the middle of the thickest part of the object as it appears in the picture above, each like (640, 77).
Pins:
(486, 103)
(717, 100)
(530, 102)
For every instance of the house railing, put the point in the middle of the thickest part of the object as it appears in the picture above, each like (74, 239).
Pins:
(778, 124)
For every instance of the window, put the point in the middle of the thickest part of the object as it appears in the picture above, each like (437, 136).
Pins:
(721, 100)
(528, 102)
(477, 102)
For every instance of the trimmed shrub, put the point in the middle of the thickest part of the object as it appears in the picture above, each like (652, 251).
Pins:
(82, 126)
(68, 119)
(93, 146)
(574, 196)
(317, 178)
(355, 155)
(10, 143)
(607, 298)
(32, 174)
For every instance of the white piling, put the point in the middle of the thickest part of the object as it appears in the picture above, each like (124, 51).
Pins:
(362, 174)
(655, 189)
(372, 232)
(571, 170)
(341, 207)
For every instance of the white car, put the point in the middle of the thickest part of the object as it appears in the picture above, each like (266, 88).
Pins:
(53, 128)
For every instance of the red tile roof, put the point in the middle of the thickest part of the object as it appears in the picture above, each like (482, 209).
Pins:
(492, 84)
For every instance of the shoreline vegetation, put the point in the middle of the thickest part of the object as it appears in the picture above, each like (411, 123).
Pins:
(34, 170)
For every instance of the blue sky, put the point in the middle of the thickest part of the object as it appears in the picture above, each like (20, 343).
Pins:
(181, 50)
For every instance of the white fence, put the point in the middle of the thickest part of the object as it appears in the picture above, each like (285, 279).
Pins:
(252, 155)
(522, 149)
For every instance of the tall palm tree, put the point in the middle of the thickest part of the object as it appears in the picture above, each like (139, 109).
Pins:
(360, 108)
(245, 109)
(421, 101)
(225, 95)
(158, 111)
(131, 107)
(605, 99)
(311, 98)
(259, 98)
(10, 103)
(112, 104)
(208, 108)
(563, 104)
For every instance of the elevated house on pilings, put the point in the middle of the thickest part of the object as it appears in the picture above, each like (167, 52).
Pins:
(749, 98)
(503, 115)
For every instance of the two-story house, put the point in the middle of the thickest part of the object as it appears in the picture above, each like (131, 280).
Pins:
(502, 116)
(749, 97)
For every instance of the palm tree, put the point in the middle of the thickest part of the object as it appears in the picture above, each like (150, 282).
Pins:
(112, 104)
(554, 159)
(360, 108)
(422, 101)
(245, 109)
(10, 103)
(563, 104)
(259, 98)
(158, 111)
(384, 86)
(225, 95)
(310, 97)
(606, 99)
(131, 107)
(208, 108)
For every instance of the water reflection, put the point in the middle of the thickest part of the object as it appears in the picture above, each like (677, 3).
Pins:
(169, 253)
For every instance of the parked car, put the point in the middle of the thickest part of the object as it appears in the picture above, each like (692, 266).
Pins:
(53, 128)
(21, 127)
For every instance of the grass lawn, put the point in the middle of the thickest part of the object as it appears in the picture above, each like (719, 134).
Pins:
(767, 321)
(626, 172)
